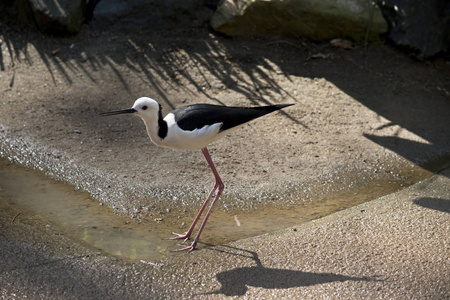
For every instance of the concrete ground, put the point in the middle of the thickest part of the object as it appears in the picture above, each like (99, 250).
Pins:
(394, 247)
(364, 121)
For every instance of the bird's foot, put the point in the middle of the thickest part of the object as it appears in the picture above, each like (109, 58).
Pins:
(179, 236)
(189, 248)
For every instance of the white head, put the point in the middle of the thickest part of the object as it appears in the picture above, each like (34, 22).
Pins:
(150, 112)
(144, 107)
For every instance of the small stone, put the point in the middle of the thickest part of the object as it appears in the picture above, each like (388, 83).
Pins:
(83, 57)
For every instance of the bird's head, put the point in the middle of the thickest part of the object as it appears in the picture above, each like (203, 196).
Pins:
(144, 107)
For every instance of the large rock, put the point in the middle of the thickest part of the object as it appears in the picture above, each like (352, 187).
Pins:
(313, 19)
(58, 16)
(420, 25)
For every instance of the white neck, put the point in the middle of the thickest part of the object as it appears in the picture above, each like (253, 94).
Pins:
(153, 126)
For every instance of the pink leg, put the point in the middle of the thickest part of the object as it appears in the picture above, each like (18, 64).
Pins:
(188, 233)
(218, 185)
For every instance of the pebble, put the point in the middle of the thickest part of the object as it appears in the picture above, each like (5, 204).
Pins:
(83, 57)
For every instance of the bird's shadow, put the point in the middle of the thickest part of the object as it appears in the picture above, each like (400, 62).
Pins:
(235, 282)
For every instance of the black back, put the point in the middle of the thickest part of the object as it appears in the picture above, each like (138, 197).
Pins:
(197, 116)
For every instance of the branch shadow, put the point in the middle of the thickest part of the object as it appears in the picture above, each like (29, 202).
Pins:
(434, 203)
(170, 47)
(413, 151)
(235, 282)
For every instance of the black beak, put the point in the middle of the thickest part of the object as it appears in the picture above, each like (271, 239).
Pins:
(118, 112)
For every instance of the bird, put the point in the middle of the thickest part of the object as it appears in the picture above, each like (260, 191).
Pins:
(193, 127)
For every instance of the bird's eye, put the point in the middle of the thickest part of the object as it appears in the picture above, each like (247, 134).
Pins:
(144, 107)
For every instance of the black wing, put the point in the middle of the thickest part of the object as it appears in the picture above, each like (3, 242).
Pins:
(197, 116)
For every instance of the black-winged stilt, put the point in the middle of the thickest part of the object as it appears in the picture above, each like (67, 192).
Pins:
(194, 127)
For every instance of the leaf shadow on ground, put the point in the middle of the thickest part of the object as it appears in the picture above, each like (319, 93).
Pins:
(178, 52)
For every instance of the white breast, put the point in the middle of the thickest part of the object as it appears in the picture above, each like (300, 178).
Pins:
(196, 139)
